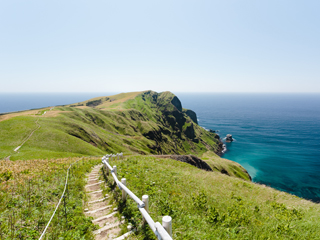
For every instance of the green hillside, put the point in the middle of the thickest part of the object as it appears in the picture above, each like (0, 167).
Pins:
(132, 123)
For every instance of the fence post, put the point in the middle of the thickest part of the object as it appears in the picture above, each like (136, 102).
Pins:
(118, 156)
(124, 194)
(107, 160)
(145, 200)
(167, 224)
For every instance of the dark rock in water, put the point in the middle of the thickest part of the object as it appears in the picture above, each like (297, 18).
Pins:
(212, 131)
(229, 138)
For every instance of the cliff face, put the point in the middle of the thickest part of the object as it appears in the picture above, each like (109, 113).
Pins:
(191, 114)
(175, 125)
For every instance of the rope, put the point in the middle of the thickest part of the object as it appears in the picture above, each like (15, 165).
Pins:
(64, 190)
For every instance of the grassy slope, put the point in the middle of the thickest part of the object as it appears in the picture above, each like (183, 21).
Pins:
(142, 123)
(207, 205)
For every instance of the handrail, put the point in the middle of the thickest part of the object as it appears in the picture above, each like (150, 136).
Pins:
(121, 186)
(157, 228)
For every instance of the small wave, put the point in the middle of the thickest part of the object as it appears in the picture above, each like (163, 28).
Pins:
(205, 128)
(224, 148)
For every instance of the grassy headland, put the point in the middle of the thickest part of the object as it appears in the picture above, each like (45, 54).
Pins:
(133, 123)
(203, 204)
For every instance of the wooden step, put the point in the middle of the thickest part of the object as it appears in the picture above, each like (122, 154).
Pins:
(99, 200)
(99, 209)
(104, 217)
(94, 184)
(124, 236)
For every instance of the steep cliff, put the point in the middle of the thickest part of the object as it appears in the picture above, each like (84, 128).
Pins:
(173, 124)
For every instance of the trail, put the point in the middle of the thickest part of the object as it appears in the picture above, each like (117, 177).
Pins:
(100, 208)
(28, 137)
(24, 141)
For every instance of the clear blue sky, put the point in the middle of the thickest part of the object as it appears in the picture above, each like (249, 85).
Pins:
(180, 46)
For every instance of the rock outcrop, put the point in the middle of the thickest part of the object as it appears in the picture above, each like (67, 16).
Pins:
(190, 159)
(229, 138)
(191, 114)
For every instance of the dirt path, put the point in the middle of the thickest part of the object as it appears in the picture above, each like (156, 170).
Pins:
(29, 136)
(16, 150)
(100, 208)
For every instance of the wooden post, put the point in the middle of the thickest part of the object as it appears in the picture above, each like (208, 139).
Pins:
(145, 200)
(115, 172)
(118, 156)
(167, 224)
(107, 160)
(124, 194)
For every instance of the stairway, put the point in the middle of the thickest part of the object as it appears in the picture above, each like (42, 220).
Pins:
(101, 210)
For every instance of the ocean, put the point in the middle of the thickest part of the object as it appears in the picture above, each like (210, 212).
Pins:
(11, 102)
(277, 136)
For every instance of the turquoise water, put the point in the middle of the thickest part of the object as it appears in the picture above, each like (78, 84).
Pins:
(277, 136)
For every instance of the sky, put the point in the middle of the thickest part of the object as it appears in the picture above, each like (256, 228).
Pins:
(179, 46)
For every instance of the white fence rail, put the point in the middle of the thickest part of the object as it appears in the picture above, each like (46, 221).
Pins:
(164, 231)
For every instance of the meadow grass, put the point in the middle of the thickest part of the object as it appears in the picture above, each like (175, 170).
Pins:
(29, 192)
(211, 205)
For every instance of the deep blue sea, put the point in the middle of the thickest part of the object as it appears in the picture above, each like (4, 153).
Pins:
(277, 136)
